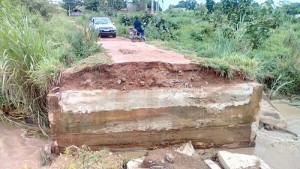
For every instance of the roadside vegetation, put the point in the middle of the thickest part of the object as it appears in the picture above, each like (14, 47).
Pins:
(260, 40)
(37, 42)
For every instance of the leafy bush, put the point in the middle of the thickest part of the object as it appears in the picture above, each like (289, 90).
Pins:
(83, 44)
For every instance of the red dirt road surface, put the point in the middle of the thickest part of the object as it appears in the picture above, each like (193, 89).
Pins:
(123, 50)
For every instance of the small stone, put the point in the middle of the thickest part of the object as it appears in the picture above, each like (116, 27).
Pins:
(123, 79)
(135, 163)
(123, 88)
(119, 81)
(170, 158)
(142, 83)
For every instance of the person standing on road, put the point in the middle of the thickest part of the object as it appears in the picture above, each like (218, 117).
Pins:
(138, 26)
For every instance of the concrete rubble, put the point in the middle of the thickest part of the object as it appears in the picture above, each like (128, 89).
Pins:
(240, 161)
(168, 158)
(134, 163)
(186, 149)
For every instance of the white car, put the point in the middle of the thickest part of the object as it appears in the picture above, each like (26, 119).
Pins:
(104, 25)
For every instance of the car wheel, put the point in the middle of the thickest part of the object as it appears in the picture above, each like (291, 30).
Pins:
(114, 35)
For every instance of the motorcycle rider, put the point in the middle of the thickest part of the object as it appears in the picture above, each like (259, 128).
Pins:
(138, 26)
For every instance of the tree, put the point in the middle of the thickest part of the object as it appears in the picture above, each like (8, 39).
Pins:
(210, 5)
(70, 4)
(116, 4)
(181, 4)
(191, 4)
(188, 4)
(142, 4)
(92, 4)
(292, 8)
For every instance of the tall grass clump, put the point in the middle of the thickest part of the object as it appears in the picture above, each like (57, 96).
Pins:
(26, 67)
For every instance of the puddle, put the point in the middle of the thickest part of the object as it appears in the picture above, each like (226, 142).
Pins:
(291, 115)
(280, 150)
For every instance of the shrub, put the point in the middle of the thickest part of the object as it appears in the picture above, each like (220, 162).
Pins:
(83, 44)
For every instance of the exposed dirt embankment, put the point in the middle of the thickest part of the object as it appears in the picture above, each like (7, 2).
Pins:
(144, 75)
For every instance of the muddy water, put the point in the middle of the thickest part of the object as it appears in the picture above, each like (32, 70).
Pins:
(17, 151)
(291, 115)
(279, 150)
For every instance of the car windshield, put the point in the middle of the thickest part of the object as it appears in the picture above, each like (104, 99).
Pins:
(102, 21)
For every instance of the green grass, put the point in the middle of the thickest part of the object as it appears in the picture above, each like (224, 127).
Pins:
(24, 50)
(32, 53)
(274, 63)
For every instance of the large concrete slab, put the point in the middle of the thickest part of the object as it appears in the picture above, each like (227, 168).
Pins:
(208, 116)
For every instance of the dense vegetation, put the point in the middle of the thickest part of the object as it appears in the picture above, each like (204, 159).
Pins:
(263, 41)
(34, 47)
(38, 40)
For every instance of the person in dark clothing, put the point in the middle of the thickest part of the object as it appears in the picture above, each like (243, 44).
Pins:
(138, 26)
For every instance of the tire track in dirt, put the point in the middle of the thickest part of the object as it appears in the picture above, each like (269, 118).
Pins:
(123, 50)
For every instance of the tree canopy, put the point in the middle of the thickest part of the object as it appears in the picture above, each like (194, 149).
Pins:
(187, 4)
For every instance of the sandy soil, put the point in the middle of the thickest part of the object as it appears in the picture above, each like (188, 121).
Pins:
(123, 50)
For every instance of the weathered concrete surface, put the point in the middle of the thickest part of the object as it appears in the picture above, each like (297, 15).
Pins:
(208, 116)
(240, 161)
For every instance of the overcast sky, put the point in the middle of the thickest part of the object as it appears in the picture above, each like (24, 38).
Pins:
(174, 2)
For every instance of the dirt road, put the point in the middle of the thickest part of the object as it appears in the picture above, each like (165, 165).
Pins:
(123, 50)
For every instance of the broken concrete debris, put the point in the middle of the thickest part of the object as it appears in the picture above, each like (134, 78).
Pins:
(186, 149)
(240, 161)
(170, 158)
(212, 164)
(134, 163)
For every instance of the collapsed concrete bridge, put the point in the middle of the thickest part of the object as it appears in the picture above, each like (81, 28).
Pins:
(149, 105)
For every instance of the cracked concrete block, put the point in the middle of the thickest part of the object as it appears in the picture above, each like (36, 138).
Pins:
(211, 116)
(174, 104)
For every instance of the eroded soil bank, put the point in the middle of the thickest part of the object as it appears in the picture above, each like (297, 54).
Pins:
(144, 75)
